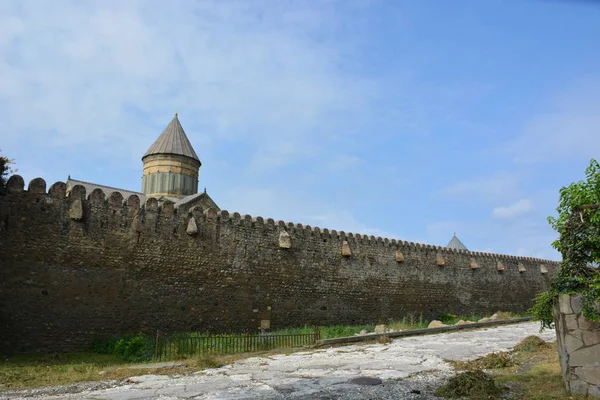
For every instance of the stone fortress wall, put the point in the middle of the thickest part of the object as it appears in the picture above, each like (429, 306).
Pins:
(85, 266)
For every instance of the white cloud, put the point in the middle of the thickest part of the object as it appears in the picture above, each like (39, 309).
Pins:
(495, 186)
(74, 72)
(516, 209)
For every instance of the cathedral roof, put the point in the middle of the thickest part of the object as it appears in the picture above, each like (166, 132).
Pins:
(173, 140)
(455, 243)
(89, 187)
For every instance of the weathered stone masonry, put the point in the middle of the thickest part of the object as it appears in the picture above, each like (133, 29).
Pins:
(76, 268)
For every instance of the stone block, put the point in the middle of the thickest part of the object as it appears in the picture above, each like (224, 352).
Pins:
(594, 391)
(473, 264)
(210, 214)
(399, 256)
(590, 337)
(151, 204)
(97, 197)
(585, 357)
(133, 202)
(500, 266)
(285, 242)
(15, 184)
(346, 249)
(58, 189)
(78, 192)
(543, 269)
(192, 227)
(572, 343)
(436, 324)
(578, 387)
(168, 207)
(115, 200)
(564, 303)
(439, 260)
(589, 375)
(37, 186)
(571, 322)
(380, 329)
(76, 210)
(522, 268)
(576, 303)
(586, 324)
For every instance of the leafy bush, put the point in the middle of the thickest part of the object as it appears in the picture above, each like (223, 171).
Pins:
(136, 348)
(105, 345)
(578, 225)
(448, 319)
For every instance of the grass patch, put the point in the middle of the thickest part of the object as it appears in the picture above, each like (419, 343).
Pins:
(27, 371)
(35, 370)
(530, 371)
(408, 323)
(536, 374)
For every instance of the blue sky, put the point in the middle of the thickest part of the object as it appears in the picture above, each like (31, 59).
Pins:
(401, 119)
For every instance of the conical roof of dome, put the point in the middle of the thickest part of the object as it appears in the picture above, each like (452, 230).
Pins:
(455, 243)
(173, 140)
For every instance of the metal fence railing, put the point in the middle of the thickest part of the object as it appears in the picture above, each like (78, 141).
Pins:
(174, 346)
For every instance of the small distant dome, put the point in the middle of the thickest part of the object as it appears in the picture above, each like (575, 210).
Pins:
(455, 243)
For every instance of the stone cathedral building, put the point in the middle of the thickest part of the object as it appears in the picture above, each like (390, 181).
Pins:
(170, 172)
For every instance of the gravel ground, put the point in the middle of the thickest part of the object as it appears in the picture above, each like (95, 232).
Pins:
(408, 368)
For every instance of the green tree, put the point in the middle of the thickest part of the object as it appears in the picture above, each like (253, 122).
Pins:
(5, 169)
(578, 226)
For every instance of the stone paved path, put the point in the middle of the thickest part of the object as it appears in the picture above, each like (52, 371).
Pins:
(403, 365)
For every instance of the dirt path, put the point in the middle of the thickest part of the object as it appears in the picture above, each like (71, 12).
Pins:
(405, 368)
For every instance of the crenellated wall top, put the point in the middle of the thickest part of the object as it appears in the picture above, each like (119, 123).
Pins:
(37, 187)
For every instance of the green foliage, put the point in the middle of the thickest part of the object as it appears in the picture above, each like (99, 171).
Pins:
(105, 345)
(5, 169)
(137, 348)
(448, 318)
(542, 308)
(578, 226)
(474, 384)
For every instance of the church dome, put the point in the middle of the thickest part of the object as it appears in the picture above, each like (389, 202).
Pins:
(171, 166)
(173, 140)
(455, 243)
